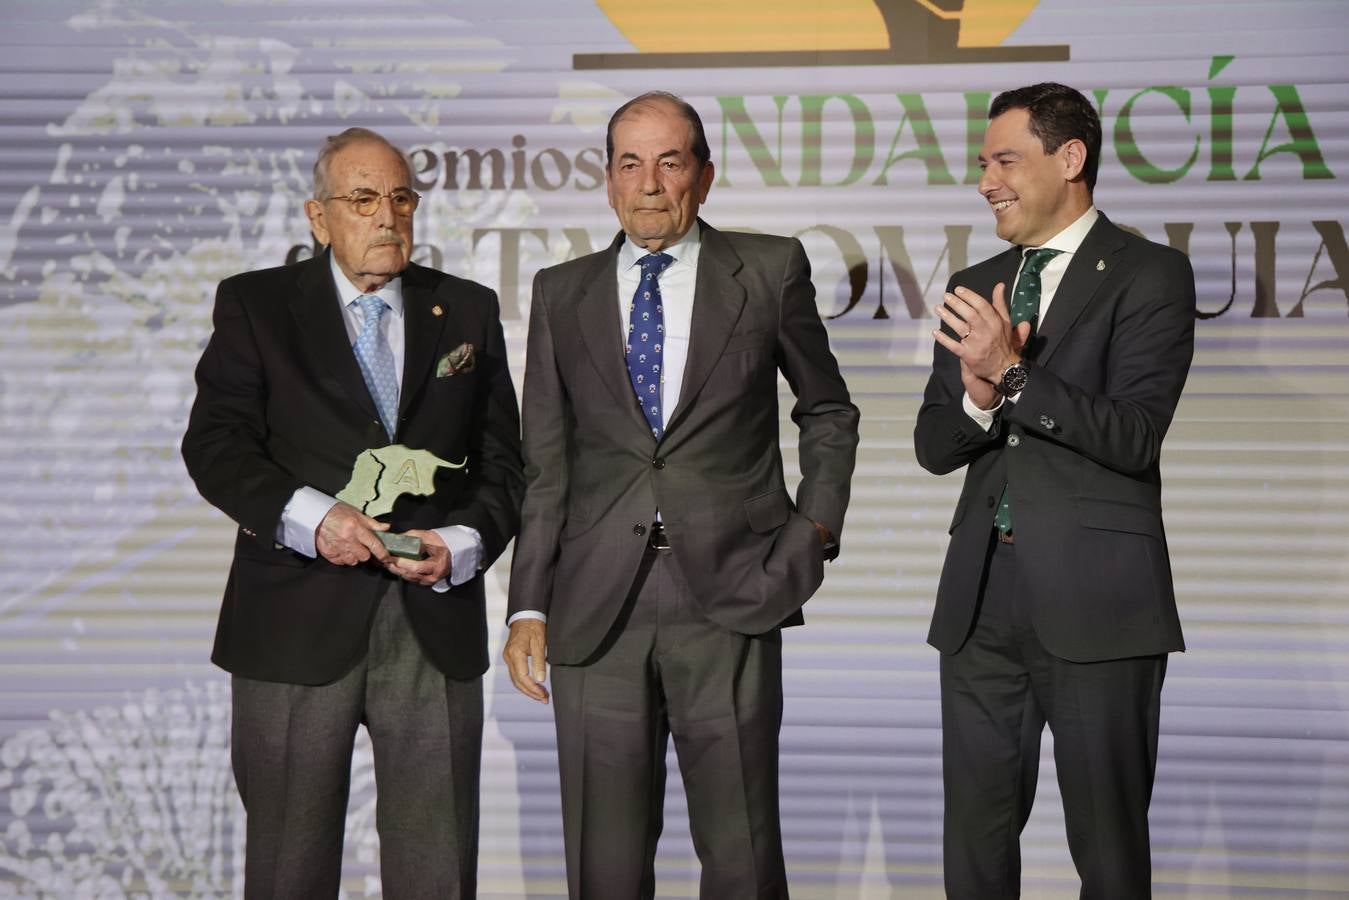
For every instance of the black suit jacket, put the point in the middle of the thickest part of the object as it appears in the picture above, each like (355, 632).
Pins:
(1079, 452)
(281, 404)
(596, 476)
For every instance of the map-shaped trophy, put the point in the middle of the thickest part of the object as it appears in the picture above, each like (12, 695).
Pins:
(381, 476)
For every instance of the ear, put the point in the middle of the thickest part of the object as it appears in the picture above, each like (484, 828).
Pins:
(705, 180)
(609, 186)
(313, 210)
(1074, 156)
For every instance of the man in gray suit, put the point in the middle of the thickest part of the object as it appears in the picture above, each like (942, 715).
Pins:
(658, 541)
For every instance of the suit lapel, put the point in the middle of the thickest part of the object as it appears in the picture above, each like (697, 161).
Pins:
(323, 334)
(718, 297)
(1091, 265)
(422, 329)
(598, 321)
(1004, 270)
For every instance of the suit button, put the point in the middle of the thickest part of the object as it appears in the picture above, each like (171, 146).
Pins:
(639, 530)
(658, 462)
(1047, 422)
(990, 501)
(1013, 440)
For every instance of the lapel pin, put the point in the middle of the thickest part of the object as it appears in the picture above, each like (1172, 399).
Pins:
(1100, 267)
(436, 310)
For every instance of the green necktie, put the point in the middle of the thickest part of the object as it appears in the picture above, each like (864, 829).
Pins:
(1025, 307)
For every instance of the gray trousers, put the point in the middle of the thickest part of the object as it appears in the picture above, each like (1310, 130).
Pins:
(666, 670)
(291, 749)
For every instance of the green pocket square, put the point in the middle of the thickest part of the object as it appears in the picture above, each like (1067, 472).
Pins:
(458, 361)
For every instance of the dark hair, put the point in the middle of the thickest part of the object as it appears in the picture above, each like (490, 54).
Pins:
(1057, 115)
(701, 152)
(337, 142)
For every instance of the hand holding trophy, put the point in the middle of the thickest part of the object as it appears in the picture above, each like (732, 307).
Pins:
(381, 475)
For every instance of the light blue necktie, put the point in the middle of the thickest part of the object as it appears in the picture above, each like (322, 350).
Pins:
(376, 360)
(646, 337)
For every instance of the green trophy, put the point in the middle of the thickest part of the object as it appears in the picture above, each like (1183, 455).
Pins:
(381, 476)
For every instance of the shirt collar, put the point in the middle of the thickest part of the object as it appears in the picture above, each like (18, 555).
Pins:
(391, 293)
(1070, 238)
(683, 250)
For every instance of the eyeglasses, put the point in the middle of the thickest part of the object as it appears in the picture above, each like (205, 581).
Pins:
(366, 202)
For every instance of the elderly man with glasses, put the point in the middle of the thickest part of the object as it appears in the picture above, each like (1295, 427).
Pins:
(356, 418)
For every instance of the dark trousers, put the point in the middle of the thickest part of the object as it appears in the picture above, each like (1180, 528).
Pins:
(666, 670)
(998, 692)
(291, 747)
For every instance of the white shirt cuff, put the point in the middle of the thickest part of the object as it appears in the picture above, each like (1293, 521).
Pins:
(982, 417)
(465, 546)
(301, 518)
(527, 614)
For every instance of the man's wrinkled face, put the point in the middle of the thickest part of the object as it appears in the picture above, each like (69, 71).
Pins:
(370, 250)
(1029, 190)
(655, 182)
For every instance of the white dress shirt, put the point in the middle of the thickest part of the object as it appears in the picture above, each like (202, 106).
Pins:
(307, 506)
(676, 299)
(1051, 276)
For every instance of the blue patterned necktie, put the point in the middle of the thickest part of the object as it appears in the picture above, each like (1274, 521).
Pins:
(376, 360)
(646, 336)
(1025, 307)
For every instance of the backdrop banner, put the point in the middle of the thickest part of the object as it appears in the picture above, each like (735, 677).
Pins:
(150, 148)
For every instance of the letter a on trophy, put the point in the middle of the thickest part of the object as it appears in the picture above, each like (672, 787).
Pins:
(382, 475)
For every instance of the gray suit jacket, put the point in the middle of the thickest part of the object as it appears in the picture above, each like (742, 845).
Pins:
(1079, 453)
(595, 476)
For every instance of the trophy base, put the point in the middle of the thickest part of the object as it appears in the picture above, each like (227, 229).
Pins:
(401, 545)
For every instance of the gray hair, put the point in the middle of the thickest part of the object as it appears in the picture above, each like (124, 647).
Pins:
(698, 139)
(335, 143)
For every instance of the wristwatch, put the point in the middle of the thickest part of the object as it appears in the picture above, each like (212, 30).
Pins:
(1014, 379)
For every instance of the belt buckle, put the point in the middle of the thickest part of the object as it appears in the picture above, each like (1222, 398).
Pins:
(658, 539)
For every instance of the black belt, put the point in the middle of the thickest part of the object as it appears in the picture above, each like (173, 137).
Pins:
(658, 539)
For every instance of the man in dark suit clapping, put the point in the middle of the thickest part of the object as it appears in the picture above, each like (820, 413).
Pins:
(1058, 367)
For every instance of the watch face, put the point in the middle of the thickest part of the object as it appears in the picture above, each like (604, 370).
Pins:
(1013, 380)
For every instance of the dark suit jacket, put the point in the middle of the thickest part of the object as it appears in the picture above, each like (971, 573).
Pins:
(281, 404)
(595, 475)
(1079, 452)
